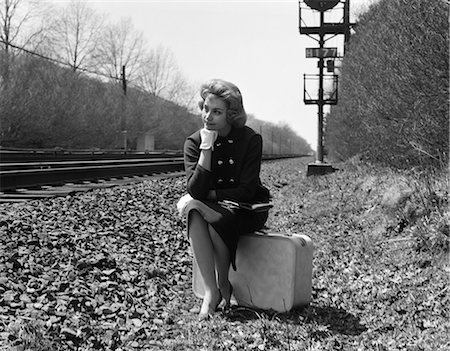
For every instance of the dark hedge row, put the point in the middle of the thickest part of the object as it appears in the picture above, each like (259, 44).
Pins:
(394, 86)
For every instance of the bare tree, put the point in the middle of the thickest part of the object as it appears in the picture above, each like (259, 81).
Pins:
(21, 25)
(182, 92)
(157, 71)
(76, 34)
(160, 76)
(121, 45)
(22, 22)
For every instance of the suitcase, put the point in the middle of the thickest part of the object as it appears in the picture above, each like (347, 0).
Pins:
(274, 271)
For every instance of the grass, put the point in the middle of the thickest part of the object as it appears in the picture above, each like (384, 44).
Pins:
(382, 252)
(380, 277)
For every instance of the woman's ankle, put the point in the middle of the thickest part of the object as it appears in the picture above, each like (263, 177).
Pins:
(211, 300)
(225, 290)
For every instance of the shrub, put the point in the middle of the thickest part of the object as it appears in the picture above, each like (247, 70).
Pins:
(394, 87)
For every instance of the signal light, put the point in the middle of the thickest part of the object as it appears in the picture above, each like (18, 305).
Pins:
(330, 66)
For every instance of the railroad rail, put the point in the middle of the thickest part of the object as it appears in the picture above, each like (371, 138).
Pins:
(9, 155)
(22, 175)
(26, 174)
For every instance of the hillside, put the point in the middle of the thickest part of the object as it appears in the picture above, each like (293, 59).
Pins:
(46, 106)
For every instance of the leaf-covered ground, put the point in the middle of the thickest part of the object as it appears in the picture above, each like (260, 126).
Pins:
(111, 269)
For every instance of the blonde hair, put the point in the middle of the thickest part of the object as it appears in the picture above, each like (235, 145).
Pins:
(232, 97)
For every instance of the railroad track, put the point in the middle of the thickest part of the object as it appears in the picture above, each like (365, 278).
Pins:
(37, 174)
(32, 174)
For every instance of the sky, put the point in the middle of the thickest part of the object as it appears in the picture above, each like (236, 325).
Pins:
(254, 44)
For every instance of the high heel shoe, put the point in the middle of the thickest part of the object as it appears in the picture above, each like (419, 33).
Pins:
(202, 316)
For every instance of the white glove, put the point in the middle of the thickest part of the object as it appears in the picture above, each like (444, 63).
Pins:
(208, 138)
(182, 203)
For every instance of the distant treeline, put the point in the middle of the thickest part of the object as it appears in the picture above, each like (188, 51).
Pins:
(394, 86)
(44, 106)
(61, 84)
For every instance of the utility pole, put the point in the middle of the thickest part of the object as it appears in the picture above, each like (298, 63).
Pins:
(124, 109)
(280, 149)
(272, 142)
(314, 7)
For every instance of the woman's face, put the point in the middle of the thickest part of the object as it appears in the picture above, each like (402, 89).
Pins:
(214, 114)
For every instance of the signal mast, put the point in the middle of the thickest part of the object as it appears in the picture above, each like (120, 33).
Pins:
(318, 29)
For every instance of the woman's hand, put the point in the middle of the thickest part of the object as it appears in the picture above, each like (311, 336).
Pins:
(208, 137)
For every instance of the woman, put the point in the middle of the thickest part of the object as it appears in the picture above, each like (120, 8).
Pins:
(222, 162)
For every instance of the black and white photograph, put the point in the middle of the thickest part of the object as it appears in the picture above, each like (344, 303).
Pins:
(224, 175)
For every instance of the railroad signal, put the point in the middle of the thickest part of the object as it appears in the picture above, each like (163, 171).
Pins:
(330, 66)
(322, 94)
(321, 5)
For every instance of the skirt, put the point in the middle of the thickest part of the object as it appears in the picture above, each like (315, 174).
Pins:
(230, 225)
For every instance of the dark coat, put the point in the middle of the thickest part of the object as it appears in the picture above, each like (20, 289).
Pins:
(236, 163)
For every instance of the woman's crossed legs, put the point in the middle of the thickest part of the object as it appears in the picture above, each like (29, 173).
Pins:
(212, 256)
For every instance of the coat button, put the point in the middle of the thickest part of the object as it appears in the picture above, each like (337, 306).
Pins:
(231, 161)
(220, 162)
(218, 144)
(230, 141)
(231, 180)
(220, 181)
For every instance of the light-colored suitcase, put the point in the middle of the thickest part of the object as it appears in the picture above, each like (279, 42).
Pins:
(274, 271)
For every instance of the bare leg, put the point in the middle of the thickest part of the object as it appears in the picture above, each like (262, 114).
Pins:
(203, 249)
(222, 260)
